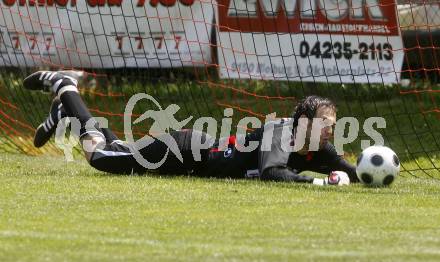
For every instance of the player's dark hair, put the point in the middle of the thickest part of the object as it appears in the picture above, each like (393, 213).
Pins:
(309, 105)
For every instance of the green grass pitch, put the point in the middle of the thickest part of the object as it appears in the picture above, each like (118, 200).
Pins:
(52, 210)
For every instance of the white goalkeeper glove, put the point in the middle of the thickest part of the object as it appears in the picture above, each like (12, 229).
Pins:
(336, 178)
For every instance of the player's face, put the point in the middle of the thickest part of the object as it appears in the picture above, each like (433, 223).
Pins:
(328, 115)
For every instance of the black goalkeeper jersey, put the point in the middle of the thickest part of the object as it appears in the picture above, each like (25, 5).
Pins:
(271, 160)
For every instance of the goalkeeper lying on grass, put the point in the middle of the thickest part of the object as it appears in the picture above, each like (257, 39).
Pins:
(107, 153)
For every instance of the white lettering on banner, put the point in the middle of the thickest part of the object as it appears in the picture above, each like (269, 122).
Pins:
(105, 33)
(310, 40)
(333, 10)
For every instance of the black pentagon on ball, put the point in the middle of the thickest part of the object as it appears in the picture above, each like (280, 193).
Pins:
(367, 178)
(396, 160)
(388, 180)
(377, 160)
(359, 158)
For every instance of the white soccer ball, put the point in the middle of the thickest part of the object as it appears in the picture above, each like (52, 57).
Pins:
(377, 166)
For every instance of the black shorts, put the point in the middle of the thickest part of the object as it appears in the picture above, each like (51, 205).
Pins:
(118, 156)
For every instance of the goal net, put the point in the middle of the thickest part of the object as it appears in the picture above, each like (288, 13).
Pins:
(374, 58)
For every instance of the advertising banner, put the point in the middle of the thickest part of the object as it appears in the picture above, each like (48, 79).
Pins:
(340, 41)
(105, 33)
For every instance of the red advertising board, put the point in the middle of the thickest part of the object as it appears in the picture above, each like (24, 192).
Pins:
(292, 16)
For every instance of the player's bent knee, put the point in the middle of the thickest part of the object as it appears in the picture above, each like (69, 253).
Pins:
(90, 143)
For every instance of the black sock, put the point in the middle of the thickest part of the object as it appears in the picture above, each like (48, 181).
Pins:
(75, 107)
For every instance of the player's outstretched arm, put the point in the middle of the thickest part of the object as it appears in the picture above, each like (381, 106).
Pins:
(286, 175)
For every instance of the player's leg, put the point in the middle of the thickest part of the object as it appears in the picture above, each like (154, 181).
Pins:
(102, 148)
(65, 89)
(46, 129)
(115, 157)
(118, 156)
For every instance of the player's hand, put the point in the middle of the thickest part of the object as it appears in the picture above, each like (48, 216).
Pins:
(335, 178)
(339, 178)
